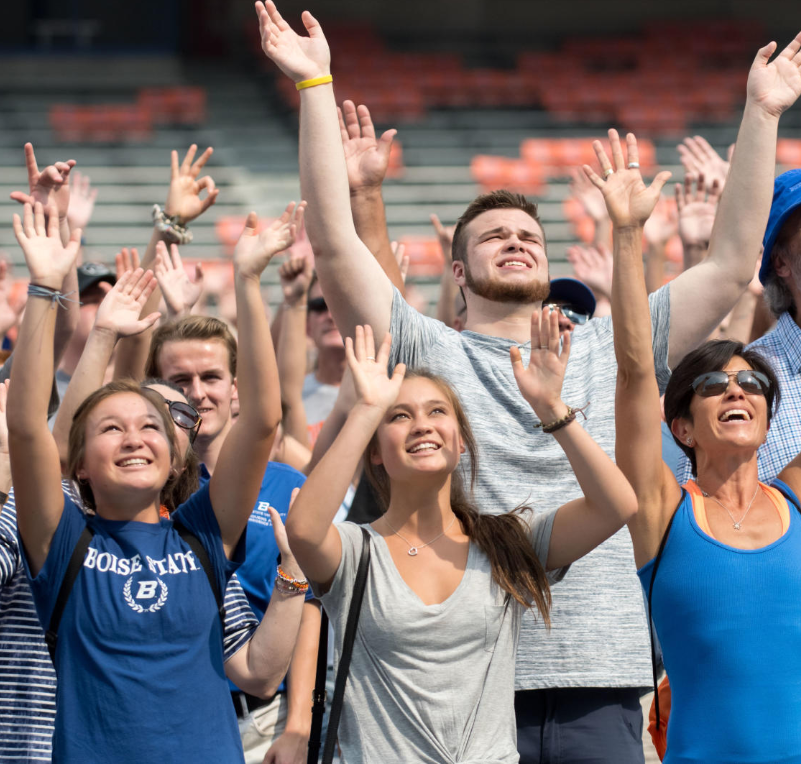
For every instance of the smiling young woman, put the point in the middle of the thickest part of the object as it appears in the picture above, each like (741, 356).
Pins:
(447, 585)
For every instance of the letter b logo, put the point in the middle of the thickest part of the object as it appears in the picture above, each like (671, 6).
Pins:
(147, 590)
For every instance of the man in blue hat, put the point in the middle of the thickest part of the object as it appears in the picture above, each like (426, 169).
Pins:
(781, 274)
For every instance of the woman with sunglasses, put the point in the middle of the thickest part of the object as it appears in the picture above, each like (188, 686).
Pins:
(719, 556)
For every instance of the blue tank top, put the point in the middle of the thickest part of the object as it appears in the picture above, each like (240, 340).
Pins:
(729, 621)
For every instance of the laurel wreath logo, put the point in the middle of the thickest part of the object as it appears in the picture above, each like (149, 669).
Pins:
(135, 606)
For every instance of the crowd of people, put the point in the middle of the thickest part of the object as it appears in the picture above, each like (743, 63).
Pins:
(527, 476)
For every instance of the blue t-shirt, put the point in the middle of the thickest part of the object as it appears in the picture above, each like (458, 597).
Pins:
(257, 573)
(139, 656)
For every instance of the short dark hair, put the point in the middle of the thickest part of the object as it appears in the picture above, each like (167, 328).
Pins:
(495, 200)
(711, 356)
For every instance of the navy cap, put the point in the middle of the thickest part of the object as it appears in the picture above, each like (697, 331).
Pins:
(90, 274)
(786, 199)
(573, 292)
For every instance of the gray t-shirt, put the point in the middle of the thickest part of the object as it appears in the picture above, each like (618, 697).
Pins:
(428, 683)
(318, 399)
(599, 635)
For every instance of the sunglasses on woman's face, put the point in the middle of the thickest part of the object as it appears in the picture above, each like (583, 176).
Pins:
(571, 313)
(717, 382)
(185, 416)
(317, 305)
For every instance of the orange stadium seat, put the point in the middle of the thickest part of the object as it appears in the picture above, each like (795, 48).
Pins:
(788, 152)
(493, 172)
(425, 255)
(177, 105)
(100, 122)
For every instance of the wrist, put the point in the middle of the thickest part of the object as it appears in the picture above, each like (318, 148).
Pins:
(755, 110)
(324, 72)
(370, 191)
(105, 334)
(551, 411)
(295, 303)
(49, 282)
(244, 275)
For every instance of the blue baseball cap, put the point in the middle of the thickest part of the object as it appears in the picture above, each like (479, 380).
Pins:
(573, 292)
(786, 199)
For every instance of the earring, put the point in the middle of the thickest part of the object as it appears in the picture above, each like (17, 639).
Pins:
(689, 441)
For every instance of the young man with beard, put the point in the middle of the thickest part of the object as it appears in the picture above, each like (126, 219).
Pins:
(579, 685)
(199, 354)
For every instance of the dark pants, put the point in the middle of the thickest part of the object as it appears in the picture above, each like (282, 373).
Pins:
(579, 726)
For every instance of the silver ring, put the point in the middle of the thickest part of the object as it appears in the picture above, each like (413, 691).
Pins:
(608, 172)
(633, 165)
(370, 358)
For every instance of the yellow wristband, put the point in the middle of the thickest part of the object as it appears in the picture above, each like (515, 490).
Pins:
(324, 80)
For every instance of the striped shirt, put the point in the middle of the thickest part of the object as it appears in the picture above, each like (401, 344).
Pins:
(781, 347)
(27, 678)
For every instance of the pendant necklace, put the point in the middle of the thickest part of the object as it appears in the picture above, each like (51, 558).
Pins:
(735, 523)
(413, 550)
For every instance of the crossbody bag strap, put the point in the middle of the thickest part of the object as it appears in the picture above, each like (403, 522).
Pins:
(347, 648)
(73, 569)
(318, 694)
(205, 561)
(657, 560)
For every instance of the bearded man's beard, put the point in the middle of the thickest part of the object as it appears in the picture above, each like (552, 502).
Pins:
(498, 291)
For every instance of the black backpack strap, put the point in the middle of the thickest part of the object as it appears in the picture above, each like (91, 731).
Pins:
(203, 556)
(657, 560)
(347, 648)
(318, 694)
(73, 569)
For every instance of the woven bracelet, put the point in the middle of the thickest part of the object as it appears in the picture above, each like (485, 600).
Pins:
(48, 293)
(552, 427)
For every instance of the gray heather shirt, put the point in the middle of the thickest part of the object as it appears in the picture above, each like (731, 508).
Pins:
(598, 636)
(430, 684)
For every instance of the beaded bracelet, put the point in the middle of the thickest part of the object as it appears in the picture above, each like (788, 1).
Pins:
(552, 427)
(170, 226)
(300, 584)
(54, 295)
(282, 587)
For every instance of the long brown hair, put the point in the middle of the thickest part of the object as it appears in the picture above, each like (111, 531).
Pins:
(503, 538)
(77, 438)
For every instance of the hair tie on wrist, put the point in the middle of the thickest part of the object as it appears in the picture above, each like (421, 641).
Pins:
(54, 295)
(171, 227)
(324, 80)
(552, 427)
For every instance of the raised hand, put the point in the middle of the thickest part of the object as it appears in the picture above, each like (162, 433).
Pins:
(291, 568)
(662, 225)
(444, 236)
(775, 85)
(366, 157)
(541, 382)
(48, 260)
(254, 250)
(81, 202)
(696, 210)
(295, 275)
(49, 187)
(183, 198)
(119, 312)
(126, 260)
(699, 158)
(8, 316)
(628, 200)
(401, 258)
(179, 291)
(585, 193)
(375, 389)
(593, 266)
(299, 58)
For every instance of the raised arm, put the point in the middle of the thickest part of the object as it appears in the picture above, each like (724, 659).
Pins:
(184, 204)
(446, 305)
(244, 455)
(367, 160)
(35, 466)
(180, 293)
(314, 539)
(638, 440)
(261, 665)
(608, 501)
(295, 275)
(354, 284)
(697, 211)
(117, 316)
(702, 296)
(51, 188)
